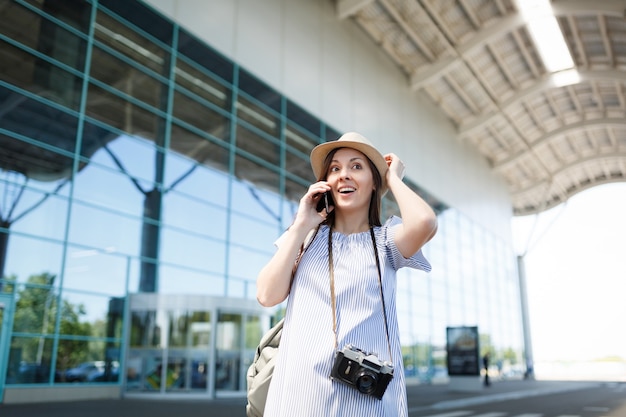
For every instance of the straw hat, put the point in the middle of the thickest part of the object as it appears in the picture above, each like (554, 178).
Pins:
(350, 140)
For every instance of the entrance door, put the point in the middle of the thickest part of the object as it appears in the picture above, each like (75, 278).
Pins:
(229, 344)
(6, 319)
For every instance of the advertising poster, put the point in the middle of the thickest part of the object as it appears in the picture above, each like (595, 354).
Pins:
(462, 347)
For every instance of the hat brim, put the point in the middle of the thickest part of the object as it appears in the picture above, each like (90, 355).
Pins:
(320, 152)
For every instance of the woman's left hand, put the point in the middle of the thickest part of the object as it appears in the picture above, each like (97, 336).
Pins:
(396, 166)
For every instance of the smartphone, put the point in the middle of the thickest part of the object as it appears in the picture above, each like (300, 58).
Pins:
(325, 202)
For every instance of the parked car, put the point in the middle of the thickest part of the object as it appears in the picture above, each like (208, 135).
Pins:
(90, 371)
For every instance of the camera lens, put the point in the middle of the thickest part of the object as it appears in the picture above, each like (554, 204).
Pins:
(366, 382)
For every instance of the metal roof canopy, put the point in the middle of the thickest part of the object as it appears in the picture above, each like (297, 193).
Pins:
(476, 60)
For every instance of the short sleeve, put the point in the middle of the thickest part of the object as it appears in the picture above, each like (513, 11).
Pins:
(278, 242)
(309, 237)
(417, 261)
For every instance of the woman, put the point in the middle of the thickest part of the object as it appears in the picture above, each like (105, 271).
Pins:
(336, 295)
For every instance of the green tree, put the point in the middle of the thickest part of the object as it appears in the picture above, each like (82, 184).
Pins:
(36, 309)
(34, 303)
(72, 350)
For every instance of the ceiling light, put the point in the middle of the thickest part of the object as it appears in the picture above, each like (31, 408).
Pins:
(546, 33)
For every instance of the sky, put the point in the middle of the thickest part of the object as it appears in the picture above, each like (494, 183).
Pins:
(576, 275)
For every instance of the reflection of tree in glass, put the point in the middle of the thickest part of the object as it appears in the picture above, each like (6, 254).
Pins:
(36, 309)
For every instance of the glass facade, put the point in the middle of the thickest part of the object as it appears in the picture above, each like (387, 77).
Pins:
(134, 159)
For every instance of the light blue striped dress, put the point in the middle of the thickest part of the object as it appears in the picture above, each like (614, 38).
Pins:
(301, 386)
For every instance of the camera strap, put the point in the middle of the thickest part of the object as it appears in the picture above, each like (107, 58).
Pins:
(331, 270)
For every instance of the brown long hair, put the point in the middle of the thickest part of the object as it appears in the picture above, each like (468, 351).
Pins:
(375, 200)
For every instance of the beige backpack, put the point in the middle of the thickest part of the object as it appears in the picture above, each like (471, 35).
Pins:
(260, 371)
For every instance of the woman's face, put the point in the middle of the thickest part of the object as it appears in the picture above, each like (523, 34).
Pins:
(351, 180)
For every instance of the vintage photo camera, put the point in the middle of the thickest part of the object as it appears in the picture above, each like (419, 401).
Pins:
(364, 371)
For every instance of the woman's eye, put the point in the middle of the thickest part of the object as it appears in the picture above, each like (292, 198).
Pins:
(356, 166)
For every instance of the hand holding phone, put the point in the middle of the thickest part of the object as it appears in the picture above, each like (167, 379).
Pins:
(324, 202)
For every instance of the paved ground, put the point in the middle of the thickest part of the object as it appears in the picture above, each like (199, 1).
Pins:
(419, 397)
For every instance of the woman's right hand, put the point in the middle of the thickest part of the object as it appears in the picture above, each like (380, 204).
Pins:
(307, 214)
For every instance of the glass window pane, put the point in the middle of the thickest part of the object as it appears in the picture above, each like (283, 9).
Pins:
(182, 280)
(178, 328)
(228, 331)
(244, 265)
(36, 305)
(185, 212)
(192, 251)
(260, 204)
(36, 213)
(18, 67)
(30, 361)
(203, 86)
(146, 328)
(44, 36)
(90, 315)
(258, 119)
(125, 78)
(187, 177)
(300, 166)
(144, 370)
(303, 119)
(120, 176)
(21, 265)
(114, 34)
(82, 315)
(104, 230)
(201, 116)
(228, 345)
(107, 188)
(263, 94)
(253, 332)
(294, 192)
(238, 287)
(253, 234)
(177, 365)
(331, 134)
(75, 13)
(200, 325)
(199, 149)
(115, 111)
(199, 370)
(44, 125)
(257, 174)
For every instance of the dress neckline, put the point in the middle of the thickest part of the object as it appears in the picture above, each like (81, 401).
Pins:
(348, 236)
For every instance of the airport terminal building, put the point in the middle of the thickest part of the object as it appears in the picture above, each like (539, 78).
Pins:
(150, 154)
